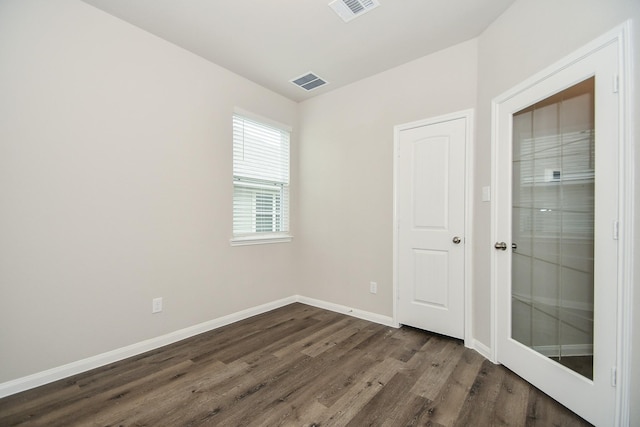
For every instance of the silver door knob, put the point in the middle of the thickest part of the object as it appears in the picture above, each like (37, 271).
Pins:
(456, 240)
(502, 246)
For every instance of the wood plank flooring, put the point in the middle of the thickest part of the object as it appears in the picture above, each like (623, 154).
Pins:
(295, 366)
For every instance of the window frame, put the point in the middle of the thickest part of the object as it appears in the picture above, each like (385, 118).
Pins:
(269, 187)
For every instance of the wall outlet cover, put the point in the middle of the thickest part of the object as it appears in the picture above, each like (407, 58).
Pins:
(156, 305)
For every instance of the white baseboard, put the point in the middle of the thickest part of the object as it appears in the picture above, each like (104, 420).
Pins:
(54, 374)
(74, 368)
(482, 349)
(360, 314)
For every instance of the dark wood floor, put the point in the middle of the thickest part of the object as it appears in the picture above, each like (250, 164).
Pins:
(295, 366)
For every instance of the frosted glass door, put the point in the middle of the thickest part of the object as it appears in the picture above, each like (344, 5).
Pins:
(553, 170)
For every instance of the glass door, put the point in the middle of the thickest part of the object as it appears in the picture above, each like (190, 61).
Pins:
(553, 183)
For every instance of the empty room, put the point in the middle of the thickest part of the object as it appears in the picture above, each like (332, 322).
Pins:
(319, 212)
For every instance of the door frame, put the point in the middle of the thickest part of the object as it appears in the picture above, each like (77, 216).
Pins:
(468, 116)
(626, 160)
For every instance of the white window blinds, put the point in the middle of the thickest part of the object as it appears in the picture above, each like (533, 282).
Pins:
(260, 179)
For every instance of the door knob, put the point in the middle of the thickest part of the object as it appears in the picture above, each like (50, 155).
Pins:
(501, 246)
(456, 240)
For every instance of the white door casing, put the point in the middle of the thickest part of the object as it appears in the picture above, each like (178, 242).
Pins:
(595, 400)
(430, 217)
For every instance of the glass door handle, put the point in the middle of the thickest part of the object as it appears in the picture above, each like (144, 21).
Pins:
(502, 246)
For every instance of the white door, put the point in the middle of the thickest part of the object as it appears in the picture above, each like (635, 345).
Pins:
(555, 217)
(430, 198)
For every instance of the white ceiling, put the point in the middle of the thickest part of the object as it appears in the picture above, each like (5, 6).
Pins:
(272, 41)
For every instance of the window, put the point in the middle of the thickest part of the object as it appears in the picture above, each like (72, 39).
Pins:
(260, 182)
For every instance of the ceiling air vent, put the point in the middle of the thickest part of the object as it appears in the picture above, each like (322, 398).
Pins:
(309, 81)
(350, 9)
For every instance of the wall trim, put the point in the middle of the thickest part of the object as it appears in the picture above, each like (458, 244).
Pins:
(360, 314)
(83, 365)
(626, 259)
(484, 350)
(60, 372)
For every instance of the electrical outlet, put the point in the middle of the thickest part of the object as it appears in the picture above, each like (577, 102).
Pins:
(156, 305)
(373, 287)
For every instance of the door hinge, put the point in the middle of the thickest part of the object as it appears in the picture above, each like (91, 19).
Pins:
(614, 377)
(616, 230)
(616, 83)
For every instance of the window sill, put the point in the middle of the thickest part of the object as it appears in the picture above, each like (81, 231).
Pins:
(260, 240)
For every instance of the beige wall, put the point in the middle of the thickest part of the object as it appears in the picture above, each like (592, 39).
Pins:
(115, 160)
(115, 187)
(345, 205)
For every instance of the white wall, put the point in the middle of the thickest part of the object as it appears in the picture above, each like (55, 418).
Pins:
(345, 202)
(527, 38)
(115, 187)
